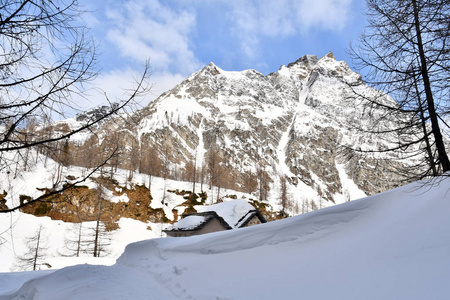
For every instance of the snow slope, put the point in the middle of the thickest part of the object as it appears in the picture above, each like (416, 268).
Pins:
(17, 226)
(393, 245)
(12, 239)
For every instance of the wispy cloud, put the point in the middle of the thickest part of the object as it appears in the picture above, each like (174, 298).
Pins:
(149, 29)
(163, 30)
(134, 31)
(254, 20)
(323, 14)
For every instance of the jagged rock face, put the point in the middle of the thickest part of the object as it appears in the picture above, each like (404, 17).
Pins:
(292, 123)
(96, 113)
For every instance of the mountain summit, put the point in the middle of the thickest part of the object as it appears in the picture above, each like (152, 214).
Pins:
(280, 137)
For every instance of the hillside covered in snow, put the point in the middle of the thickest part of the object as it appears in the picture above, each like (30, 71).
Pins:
(393, 245)
(290, 132)
(127, 210)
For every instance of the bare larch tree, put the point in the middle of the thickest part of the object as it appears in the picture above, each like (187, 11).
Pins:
(404, 52)
(47, 61)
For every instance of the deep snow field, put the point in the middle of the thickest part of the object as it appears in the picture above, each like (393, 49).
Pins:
(394, 245)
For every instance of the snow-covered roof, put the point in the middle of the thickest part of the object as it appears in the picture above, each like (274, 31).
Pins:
(246, 219)
(190, 222)
(197, 221)
(231, 214)
(230, 211)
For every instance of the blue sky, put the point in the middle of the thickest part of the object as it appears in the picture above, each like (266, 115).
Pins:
(181, 36)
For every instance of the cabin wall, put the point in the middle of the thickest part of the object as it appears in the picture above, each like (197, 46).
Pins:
(212, 226)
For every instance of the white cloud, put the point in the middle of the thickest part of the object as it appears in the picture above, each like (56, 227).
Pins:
(149, 29)
(117, 85)
(254, 20)
(323, 14)
(138, 30)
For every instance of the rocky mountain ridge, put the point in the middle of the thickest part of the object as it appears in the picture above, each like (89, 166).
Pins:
(281, 137)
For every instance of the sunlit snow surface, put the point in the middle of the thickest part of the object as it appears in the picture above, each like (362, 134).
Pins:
(394, 245)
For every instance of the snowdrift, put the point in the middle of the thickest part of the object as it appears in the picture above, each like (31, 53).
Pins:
(394, 245)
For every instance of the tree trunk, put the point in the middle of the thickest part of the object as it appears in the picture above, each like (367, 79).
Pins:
(218, 193)
(195, 174)
(79, 240)
(36, 252)
(149, 182)
(443, 158)
(97, 227)
(425, 134)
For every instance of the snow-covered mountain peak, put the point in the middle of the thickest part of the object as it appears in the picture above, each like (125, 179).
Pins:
(329, 55)
(330, 67)
(275, 122)
(209, 70)
(299, 69)
(289, 125)
(307, 61)
(308, 67)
